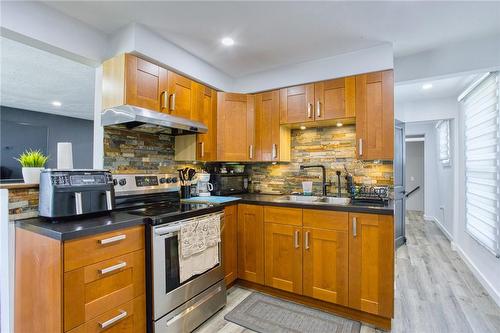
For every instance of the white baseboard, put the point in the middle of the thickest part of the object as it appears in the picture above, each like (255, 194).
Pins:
(495, 294)
(440, 226)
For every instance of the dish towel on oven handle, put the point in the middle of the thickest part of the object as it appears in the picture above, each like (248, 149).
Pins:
(198, 245)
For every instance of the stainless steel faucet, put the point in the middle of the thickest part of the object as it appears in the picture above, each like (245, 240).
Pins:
(325, 184)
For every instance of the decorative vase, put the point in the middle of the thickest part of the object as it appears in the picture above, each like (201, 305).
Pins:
(31, 175)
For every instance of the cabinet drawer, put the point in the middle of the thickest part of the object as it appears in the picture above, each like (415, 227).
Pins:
(89, 250)
(282, 215)
(92, 290)
(325, 219)
(129, 317)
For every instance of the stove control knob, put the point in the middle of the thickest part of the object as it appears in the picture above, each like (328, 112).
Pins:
(169, 180)
(163, 180)
(174, 179)
(122, 182)
(115, 182)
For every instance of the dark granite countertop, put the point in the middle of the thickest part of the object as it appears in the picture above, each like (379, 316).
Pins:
(81, 227)
(270, 200)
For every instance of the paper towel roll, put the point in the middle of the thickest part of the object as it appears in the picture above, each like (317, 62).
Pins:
(64, 155)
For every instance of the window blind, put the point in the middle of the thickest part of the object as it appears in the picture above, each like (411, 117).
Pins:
(482, 162)
(443, 128)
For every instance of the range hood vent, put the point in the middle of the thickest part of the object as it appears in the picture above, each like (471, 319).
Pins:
(144, 120)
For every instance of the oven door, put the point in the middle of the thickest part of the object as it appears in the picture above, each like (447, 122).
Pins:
(168, 292)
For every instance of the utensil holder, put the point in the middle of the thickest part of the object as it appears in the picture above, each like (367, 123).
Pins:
(185, 191)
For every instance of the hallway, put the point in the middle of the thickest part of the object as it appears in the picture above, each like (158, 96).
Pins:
(435, 291)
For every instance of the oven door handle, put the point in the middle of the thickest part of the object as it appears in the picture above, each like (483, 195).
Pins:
(167, 230)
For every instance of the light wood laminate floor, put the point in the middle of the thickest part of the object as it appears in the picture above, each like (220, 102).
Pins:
(435, 291)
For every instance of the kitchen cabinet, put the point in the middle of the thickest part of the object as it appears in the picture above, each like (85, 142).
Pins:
(229, 239)
(371, 263)
(296, 104)
(181, 98)
(206, 148)
(130, 80)
(283, 257)
(86, 282)
(272, 140)
(375, 116)
(251, 243)
(325, 100)
(326, 259)
(235, 127)
(335, 99)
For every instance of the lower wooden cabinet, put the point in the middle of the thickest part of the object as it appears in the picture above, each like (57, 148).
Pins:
(129, 317)
(371, 263)
(283, 257)
(251, 243)
(326, 265)
(229, 237)
(91, 284)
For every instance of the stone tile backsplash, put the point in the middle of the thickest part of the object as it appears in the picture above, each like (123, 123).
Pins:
(127, 151)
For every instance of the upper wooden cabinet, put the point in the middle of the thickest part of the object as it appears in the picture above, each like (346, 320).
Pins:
(335, 99)
(235, 127)
(297, 104)
(206, 112)
(181, 98)
(325, 100)
(371, 263)
(128, 79)
(272, 140)
(375, 116)
(251, 243)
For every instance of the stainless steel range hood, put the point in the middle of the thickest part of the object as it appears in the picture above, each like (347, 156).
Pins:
(144, 120)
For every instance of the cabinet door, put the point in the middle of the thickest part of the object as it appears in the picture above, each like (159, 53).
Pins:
(296, 104)
(335, 99)
(235, 127)
(144, 82)
(375, 115)
(206, 149)
(182, 95)
(267, 126)
(326, 262)
(229, 239)
(283, 257)
(251, 243)
(371, 263)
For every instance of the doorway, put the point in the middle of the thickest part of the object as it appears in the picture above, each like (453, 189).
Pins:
(415, 162)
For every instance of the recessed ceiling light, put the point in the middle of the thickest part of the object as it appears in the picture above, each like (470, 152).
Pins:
(56, 103)
(302, 127)
(227, 41)
(427, 86)
(339, 124)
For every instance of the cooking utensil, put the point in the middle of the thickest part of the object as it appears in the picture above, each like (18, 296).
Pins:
(191, 174)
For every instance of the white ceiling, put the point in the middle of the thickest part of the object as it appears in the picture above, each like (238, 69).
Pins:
(443, 88)
(32, 79)
(274, 34)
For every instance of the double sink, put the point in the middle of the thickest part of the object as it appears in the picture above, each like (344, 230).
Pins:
(313, 200)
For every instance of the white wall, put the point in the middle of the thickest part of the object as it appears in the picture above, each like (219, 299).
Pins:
(361, 61)
(480, 55)
(426, 110)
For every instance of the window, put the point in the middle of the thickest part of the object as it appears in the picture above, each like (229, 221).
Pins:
(482, 161)
(443, 128)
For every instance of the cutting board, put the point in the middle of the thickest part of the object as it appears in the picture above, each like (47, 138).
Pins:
(211, 199)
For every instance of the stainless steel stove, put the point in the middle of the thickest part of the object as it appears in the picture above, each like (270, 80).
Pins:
(172, 306)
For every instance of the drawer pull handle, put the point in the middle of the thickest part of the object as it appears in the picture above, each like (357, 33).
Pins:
(194, 306)
(296, 239)
(113, 320)
(112, 239)
(354, 226)
(306, 245)
(113, 268)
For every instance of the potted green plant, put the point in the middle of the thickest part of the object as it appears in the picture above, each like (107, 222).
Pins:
(32, 161)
